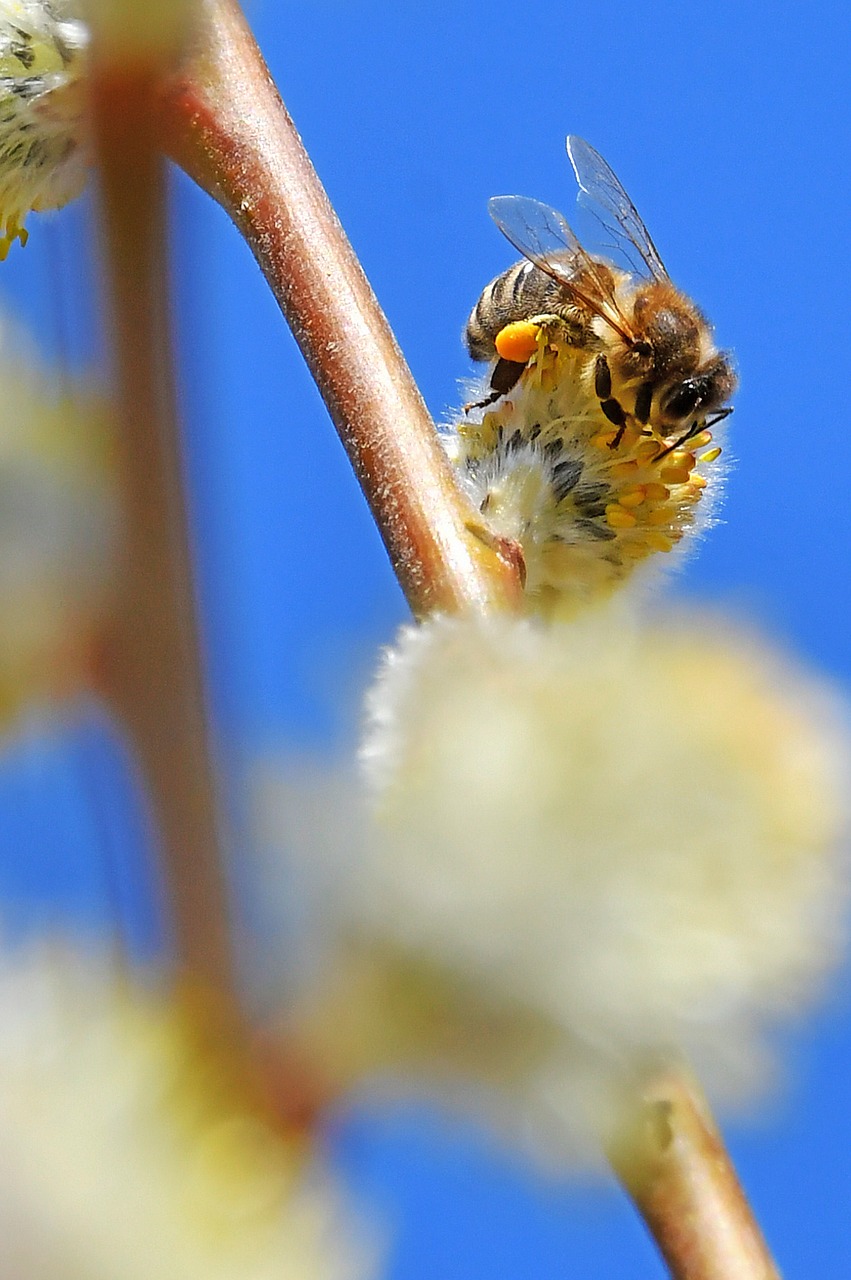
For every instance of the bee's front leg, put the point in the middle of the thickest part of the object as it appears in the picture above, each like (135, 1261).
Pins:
(612, 408)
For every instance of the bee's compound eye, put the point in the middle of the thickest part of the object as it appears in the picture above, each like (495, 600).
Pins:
(683, 399)
(517, 342)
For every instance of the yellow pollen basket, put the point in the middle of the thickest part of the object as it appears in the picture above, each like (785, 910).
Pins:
(518, 341)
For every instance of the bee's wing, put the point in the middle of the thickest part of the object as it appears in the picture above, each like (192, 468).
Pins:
(543, 236)
(612, 207)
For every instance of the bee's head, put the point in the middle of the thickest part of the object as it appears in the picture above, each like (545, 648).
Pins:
(684, 400)
(672, 355)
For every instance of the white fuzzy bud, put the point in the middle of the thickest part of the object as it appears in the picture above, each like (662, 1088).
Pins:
(127, 1153)
(629, 835)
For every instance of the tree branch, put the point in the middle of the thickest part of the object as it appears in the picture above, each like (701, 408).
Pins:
(226, 125)
(152, 670)
(671, 1159)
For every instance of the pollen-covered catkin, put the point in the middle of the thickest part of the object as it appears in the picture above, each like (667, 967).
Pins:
(43, 143)
(540, 470)
(631, 832)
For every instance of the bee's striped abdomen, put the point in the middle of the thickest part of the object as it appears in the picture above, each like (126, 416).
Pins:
(519, 293)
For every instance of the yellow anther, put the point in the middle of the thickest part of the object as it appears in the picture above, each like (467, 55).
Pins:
(517, 342)
(647, 450)
(617, 518)
(698, 482)
(632, 497)
(679, 458)
(674, 475)
(701, 440)
(624, 470)
(656, 492)
(711, 455)
(662, 515)
(658, 541)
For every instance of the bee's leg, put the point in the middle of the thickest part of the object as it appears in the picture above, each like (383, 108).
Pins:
(613, 409)
(504, 378)
(515, 346)
(644, 402)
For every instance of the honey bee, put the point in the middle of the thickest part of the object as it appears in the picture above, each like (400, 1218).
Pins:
(606, 384)
(654, 359)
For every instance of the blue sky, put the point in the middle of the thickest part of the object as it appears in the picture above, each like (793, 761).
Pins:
(729, 126)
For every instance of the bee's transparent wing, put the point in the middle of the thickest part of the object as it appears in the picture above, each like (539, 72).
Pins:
(543, 236)
(601, 192)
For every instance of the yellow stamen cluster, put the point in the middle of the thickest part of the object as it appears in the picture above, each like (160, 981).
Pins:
(652, 490)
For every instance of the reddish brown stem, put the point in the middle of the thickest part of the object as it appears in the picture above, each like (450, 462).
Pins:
(152, 668)
(671, 1159)
(227, 127)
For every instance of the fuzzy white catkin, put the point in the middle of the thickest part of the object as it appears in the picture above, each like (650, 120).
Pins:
(632, 831)
(45, 145)
(125, 1154)
(43, 140)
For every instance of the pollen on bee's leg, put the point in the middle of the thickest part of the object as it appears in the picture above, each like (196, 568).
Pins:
(518, 341)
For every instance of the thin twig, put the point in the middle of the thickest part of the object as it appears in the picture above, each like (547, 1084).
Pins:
(672, 1161)
(226, 125)
(152, 671)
